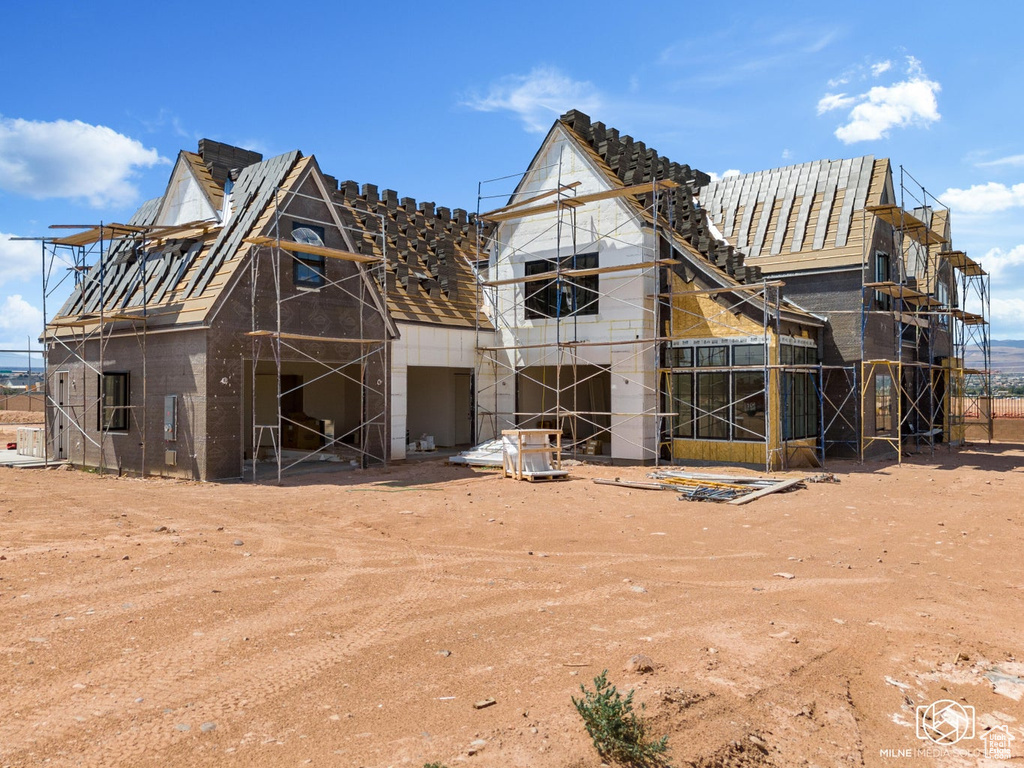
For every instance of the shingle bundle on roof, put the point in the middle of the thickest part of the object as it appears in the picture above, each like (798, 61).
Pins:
(632, 162)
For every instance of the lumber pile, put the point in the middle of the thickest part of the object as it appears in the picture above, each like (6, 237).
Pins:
(730, 489)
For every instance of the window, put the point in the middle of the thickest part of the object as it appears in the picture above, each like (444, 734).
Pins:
(680, 402)
(564, 297)
(730, 404)
(713, 402)
(308, 269)
(748, 354)
(800, 405)
(113, 414)
(712, 357)
(882, 275)
(679, 357)
(748, 405)
(883, 403)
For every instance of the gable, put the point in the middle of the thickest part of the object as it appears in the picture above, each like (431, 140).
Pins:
(186, 199)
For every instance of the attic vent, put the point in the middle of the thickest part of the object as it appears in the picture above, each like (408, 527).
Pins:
(306, 236)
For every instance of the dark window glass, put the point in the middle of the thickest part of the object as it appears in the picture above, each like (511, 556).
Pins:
(679, 357)
(308, 269)
(114, 396)
(883, 403)
(748, 405)
(712, 357)
(748, 354)
(713, 405)
(680, 402)
(565, 296)
(882, 275)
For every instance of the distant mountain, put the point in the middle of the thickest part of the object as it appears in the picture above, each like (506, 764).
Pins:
(16, 362)
(1007, 356)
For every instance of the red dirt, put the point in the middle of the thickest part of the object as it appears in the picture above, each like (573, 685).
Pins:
(319, 639)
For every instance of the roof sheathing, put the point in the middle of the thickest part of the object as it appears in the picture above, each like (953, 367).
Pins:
(429, 249)
(255, 189)
(808, 216)
(690, 230)
(626, 162)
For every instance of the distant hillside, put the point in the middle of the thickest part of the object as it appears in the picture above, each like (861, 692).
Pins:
(15, 362)
(1007, 356)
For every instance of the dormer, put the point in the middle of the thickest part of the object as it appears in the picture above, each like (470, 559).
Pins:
(191, 194)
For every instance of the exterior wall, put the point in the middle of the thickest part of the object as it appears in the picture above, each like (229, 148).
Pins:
(428, 346)
(625, 305)
(175, 365)
(327, 312)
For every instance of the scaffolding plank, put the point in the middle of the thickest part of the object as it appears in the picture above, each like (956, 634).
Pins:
(580, 272)
(579, 200)
(534, 199)
(97, 233)
(301, 337)
(963, 262)
(317, 250)
(902, 220)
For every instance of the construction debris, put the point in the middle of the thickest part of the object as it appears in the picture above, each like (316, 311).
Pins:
(487, 454)
(698, 486)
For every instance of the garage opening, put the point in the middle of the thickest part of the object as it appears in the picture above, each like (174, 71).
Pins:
(577, 398)
(318, 411)
(440, 405)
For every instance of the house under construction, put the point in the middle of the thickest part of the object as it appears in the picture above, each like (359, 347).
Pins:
(771, 318)
(261, 316)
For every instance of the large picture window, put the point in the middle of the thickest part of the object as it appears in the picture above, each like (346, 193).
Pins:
(113, 415)
(564, 297)
(308, 269)
(730, 404)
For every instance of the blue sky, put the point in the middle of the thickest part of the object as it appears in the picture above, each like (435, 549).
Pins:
(430, 98)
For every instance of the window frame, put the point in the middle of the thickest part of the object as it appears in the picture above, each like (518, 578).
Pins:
(316, 264)
(112, 416)
(540, 297)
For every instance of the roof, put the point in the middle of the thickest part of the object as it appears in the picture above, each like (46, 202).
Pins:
(808, 215)
(429, 250)
(682, 220)
(182, 274)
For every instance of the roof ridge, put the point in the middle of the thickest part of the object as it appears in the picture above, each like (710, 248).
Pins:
(632, 162)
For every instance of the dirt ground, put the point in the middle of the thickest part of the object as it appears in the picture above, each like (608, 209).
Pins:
(354, 618)
(11, 420)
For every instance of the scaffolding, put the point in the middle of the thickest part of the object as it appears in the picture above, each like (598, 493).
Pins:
(276, 342)
(915, 381)
(558, 361)
(113, 304)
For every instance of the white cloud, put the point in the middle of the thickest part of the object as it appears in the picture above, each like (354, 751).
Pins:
(19, 259)
(18, 320)
(881, 67)
(724, 175)
(539, 97)
(984, 198)
(998, 262)
(786, 154)
(831, 101)
(72, 159)
(909, 102)
(1011, 160)
(1007, 317)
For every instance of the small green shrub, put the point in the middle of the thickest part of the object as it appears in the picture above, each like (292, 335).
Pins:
(618, 734)
(434, 765)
